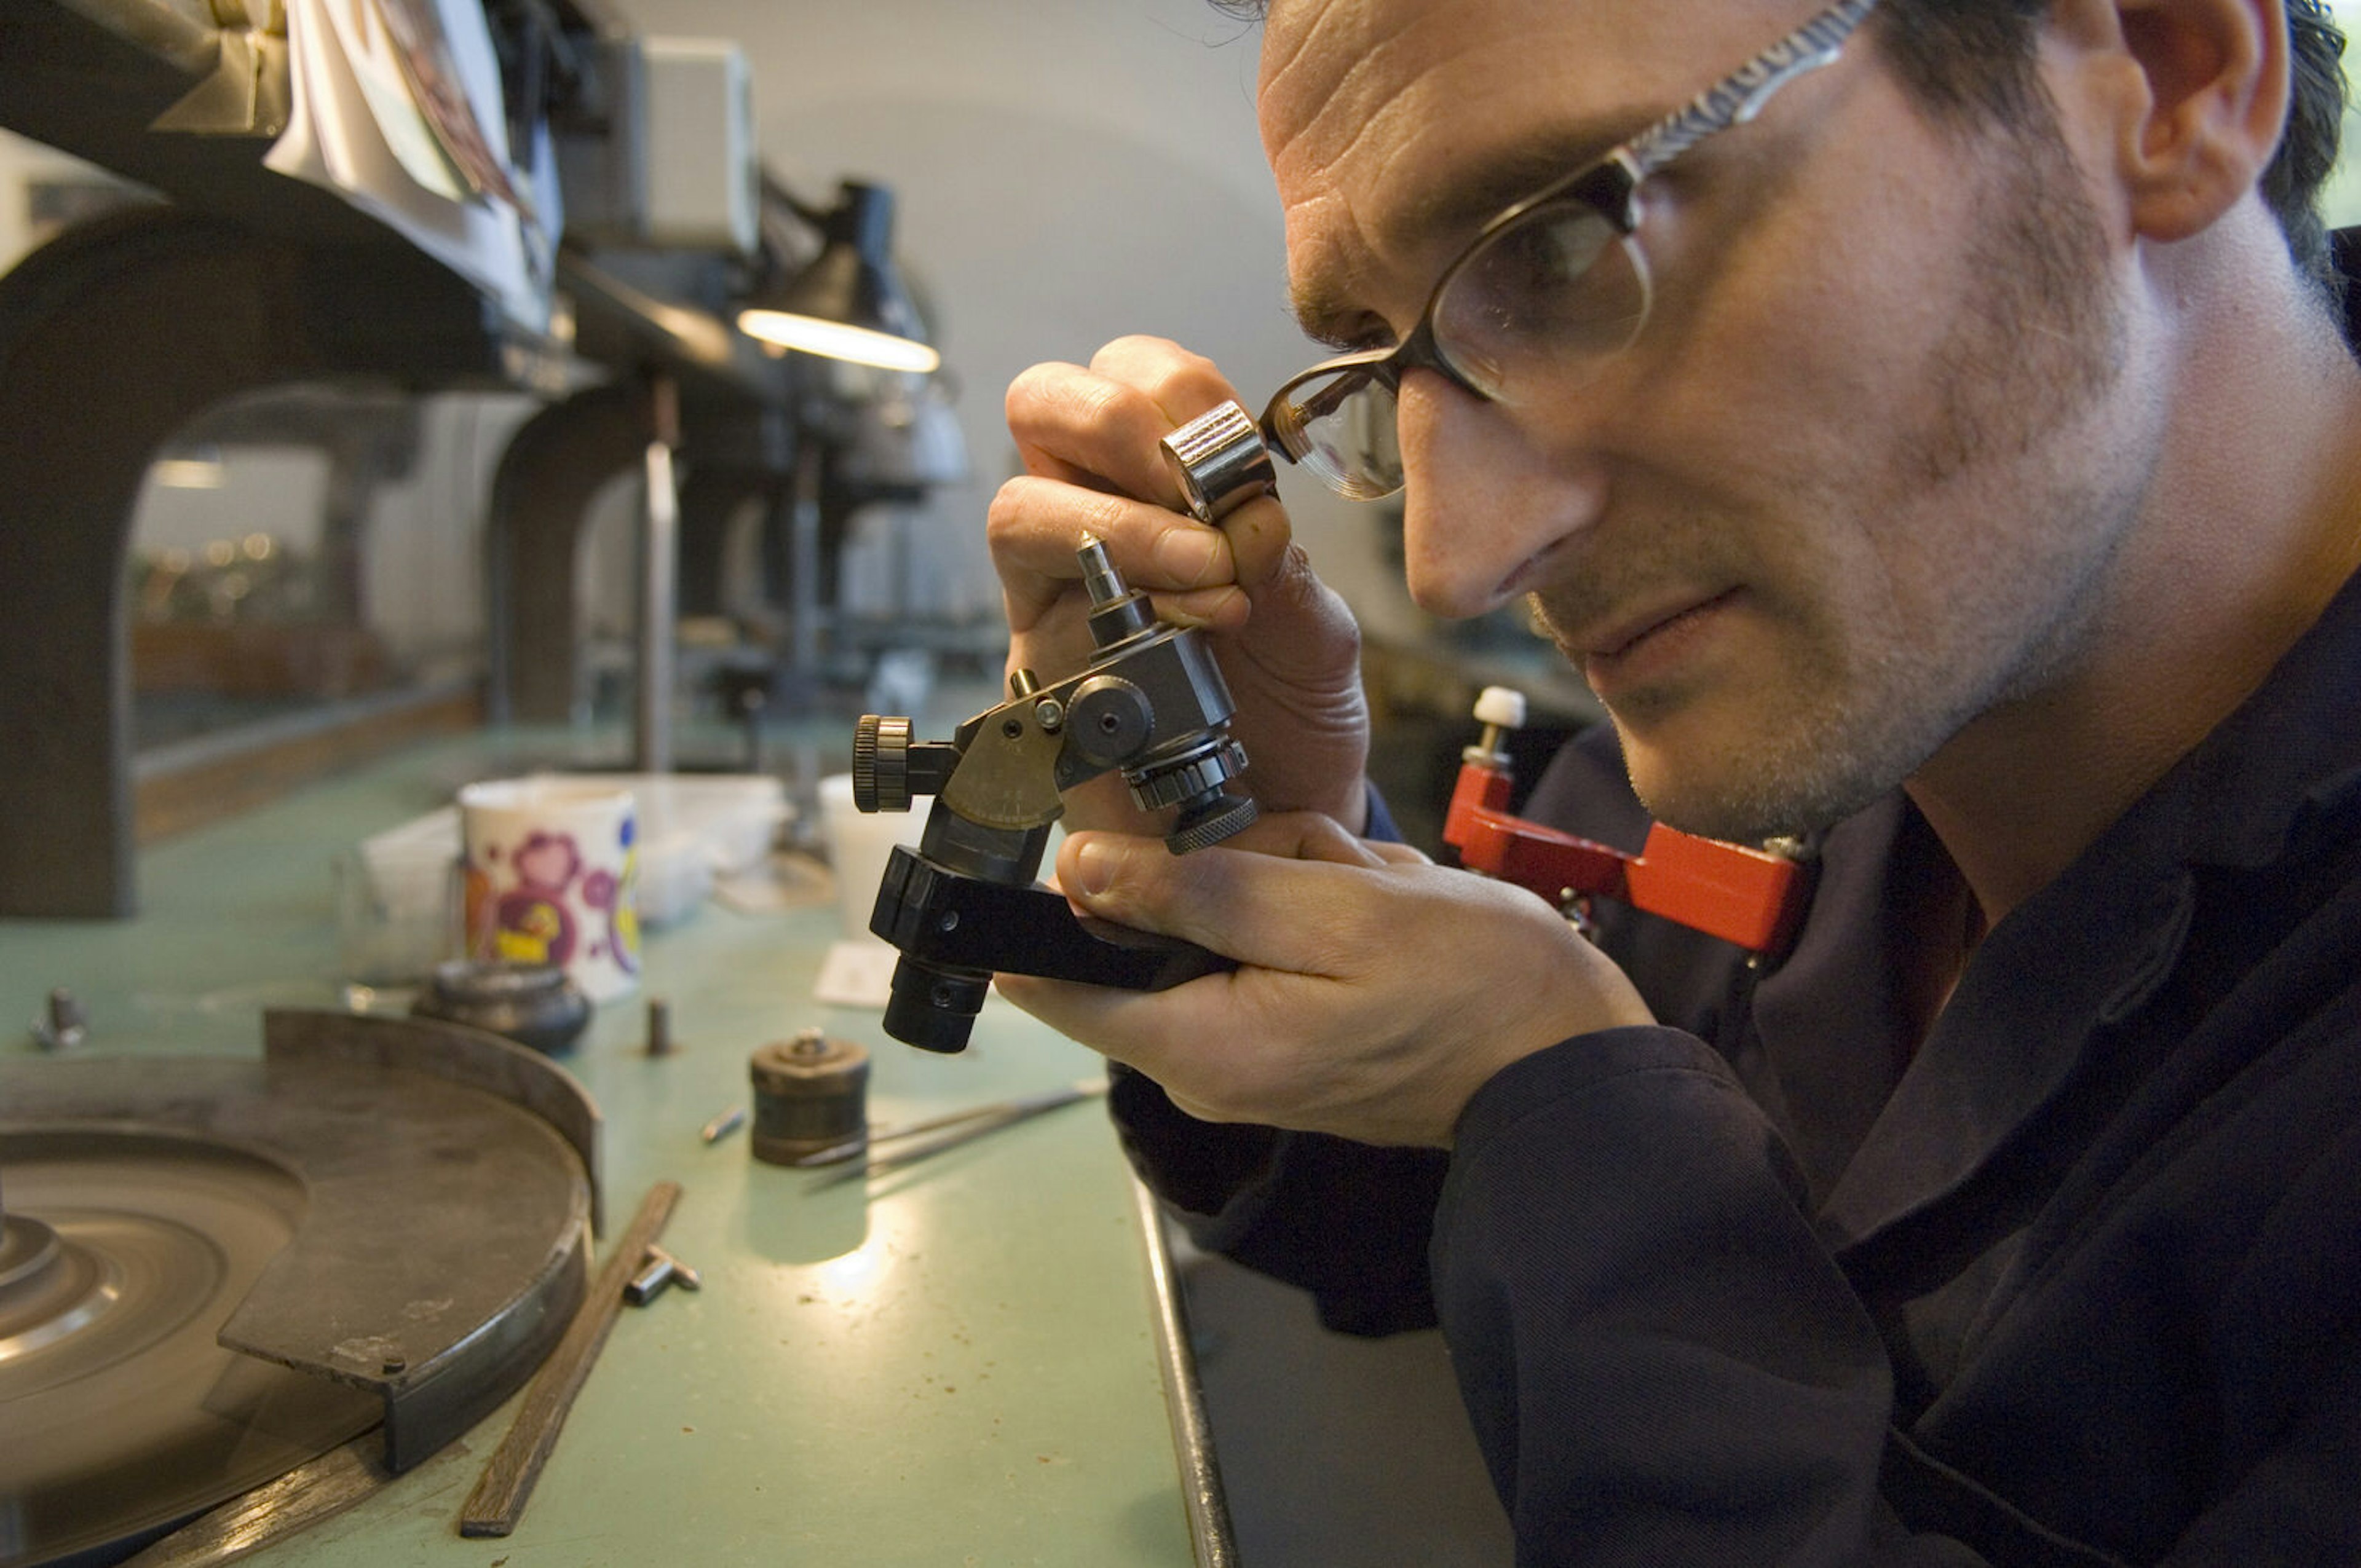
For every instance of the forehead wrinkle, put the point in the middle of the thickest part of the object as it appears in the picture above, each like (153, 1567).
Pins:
(1285, 41)
(1397, 86)
(1336, 98)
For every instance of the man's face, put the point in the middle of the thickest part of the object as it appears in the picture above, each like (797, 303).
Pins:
(1862, 477)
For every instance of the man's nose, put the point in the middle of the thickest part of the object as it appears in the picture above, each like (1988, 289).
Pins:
(1483, 502)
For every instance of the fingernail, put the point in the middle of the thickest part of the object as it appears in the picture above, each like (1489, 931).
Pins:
(1094, 866)
(1191, 555)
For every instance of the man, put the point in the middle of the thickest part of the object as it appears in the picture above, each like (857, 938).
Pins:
(1928, 443)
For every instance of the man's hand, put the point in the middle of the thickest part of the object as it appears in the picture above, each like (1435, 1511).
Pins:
(1286, 645)
(1378, 990)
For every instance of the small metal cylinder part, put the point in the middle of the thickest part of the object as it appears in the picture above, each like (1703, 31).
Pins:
(1117, 614)
(64, 1023)
(1100, 579)
(649, 1281)
(660, 1271)
(811, 1094)
(687, 1278)
(1220, 461)
(660, 1042)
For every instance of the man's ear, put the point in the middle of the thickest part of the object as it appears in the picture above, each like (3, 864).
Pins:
(2217, 93)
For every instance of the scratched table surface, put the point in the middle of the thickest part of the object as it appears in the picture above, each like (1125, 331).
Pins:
(956, 1363)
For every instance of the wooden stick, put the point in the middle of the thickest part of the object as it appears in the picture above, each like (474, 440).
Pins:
(498, 1499)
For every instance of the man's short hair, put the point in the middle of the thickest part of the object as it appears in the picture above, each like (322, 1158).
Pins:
(1971, 58)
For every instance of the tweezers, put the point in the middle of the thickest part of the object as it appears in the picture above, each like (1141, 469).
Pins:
(947, 1132)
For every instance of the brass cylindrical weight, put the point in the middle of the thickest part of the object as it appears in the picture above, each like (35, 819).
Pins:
(811, 1096)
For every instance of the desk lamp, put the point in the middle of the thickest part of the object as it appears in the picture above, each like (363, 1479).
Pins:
(847, 303)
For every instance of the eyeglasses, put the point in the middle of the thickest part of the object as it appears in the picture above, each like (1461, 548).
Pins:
(1549, 292)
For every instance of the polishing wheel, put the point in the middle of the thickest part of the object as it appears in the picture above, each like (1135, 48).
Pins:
(125, 1255)
(213, 1271)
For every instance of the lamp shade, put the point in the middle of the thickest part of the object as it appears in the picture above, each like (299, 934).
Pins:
(849, 301)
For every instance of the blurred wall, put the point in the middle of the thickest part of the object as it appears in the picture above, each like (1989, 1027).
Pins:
(1068, 171)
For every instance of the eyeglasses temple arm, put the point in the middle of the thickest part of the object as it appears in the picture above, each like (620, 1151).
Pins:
(1739, 96)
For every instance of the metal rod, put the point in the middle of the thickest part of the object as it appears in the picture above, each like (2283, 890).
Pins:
(804, 593)
(659, 587)
(1184, 1395)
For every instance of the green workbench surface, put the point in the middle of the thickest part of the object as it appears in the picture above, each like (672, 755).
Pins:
(960, 1364)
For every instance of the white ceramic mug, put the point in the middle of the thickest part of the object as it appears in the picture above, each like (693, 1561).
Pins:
(551, 868)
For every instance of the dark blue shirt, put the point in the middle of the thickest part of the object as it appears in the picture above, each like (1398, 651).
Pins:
(2075, 1279)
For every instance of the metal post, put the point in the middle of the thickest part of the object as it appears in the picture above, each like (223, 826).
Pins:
(803, 567)
(659, 586)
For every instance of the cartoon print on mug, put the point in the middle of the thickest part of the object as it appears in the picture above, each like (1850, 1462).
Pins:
(529, 924)
(606, 891)
(551, 878)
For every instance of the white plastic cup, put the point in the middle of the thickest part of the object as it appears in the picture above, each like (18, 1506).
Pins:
(552, 873)
(859, 844)
(396, 909)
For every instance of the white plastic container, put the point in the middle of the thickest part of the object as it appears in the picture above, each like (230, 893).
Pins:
(736, 817)
(694, 828)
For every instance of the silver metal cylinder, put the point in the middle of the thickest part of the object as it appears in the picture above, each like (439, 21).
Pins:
(1220, 461)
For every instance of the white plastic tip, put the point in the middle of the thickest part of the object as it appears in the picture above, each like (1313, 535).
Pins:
(1502, 706)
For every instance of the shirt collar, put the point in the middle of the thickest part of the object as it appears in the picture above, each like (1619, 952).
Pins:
(2087, 951)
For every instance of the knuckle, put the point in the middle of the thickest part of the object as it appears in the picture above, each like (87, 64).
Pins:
(1022, 526)
(1032, 388)
(1190, 384)
(1004, 517)
(1132, 349)
(1172, 378)
(1096, 401)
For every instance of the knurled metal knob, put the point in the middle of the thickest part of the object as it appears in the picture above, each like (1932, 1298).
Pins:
(1220, 461)
(881, 764)
(1201, 830)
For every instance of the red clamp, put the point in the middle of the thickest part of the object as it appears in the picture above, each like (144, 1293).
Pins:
(1740, 895)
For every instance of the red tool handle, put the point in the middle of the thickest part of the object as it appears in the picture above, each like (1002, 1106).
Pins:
(1740, 895)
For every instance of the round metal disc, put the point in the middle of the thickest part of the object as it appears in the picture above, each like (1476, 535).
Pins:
(119, 1413)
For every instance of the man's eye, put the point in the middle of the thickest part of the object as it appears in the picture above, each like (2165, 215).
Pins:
(1533, 266)
(1552, 283)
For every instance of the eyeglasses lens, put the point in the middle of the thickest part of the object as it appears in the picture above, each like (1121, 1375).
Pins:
(1529, 315)
(1537, 308)
(1340, 424)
